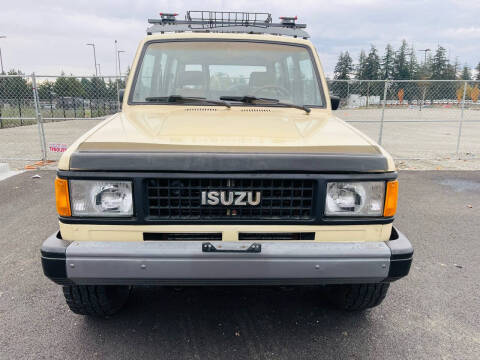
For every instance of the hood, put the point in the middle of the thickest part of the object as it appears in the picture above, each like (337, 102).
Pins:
(214, 129)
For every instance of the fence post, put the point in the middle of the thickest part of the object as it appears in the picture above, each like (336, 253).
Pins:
(423, 98)
(19, 110)
(368, 92)
(41, 131)
(461, 118)
(118, 94)
(380, 135)
(348, 90)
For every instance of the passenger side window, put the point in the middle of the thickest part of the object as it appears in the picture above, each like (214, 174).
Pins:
(310, 89)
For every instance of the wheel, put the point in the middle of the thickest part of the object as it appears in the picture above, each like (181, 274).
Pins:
(96, 300)
(356, 297)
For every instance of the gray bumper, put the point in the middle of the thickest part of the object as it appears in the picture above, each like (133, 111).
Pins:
(185, 263)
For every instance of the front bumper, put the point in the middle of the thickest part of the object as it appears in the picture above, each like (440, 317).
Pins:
(186, 263)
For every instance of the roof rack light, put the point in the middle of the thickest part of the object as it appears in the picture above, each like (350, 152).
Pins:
(168, 17)
(288, 20)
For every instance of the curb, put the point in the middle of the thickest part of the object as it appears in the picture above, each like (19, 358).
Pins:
(4, 168)
(5, 171)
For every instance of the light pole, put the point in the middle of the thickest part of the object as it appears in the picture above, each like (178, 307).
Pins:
(99, 71)
(118, 57)
(425, 51)
(1, 60)
(94, 57)
(116, 62)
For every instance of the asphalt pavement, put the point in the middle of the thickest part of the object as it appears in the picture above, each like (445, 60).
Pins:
(434, 313)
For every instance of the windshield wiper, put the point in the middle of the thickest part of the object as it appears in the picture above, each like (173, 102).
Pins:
(179, 98)
(266, 101)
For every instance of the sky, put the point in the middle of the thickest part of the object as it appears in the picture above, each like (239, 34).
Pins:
(50, 36)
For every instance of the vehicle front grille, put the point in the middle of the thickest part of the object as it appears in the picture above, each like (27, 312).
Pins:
(181, 199)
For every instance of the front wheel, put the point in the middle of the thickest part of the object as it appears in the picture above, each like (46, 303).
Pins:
(96, 300)
(357, 297)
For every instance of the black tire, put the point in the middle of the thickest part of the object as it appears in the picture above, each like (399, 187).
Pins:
(96, 300)
(357, 297)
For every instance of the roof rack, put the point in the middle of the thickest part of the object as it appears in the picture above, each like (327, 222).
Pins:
(227, 22)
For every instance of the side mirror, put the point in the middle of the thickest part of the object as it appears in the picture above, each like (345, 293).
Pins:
(335, 100)
(121, 92)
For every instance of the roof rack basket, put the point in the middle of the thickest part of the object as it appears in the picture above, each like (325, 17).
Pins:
(227, 22)
(214, 19)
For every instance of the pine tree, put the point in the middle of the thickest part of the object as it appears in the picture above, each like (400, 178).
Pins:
(387, 63)
(413, 68)
(401, 66)
(361, 70)
(478, 72)
(372, 64)
(344, 67)
(439, 64)
(452, 70)
(466, 73)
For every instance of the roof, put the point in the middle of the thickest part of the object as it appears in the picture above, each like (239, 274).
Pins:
(226, 36)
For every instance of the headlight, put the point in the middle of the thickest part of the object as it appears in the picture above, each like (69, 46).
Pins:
(364, 198)
(101, 198)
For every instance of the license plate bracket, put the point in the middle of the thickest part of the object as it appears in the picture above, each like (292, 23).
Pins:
(232, 248)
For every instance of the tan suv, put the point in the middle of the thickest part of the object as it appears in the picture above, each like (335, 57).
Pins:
(226, 166)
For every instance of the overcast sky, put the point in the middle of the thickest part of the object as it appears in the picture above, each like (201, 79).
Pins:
(48, 36)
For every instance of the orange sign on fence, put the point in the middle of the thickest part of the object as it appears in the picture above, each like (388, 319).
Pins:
(401, 94)
(474, 93)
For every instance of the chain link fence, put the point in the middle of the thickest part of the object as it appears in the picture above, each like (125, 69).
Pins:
(34, 111)
(59, 98)
(413, 119)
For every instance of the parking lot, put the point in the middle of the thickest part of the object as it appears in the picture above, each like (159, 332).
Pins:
(433, 313)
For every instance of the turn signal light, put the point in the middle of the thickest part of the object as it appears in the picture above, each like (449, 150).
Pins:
(391, 199)
(62, 196)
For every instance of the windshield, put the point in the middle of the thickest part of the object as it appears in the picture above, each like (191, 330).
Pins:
(212, 69)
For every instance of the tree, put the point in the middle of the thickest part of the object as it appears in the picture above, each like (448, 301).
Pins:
(343, 70)
(368, 68)
(45, 90)
(68, 86)
(387, 63)
(424, 71)
(452, 70)
(401, 65)
(96, 88)
(99, 87)
(361, 71)
(439, 64)
(466, 73)
(413, 68)
(344, 67)
(441, 69)
(15, 87)
(478, 72)
(372, 65)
